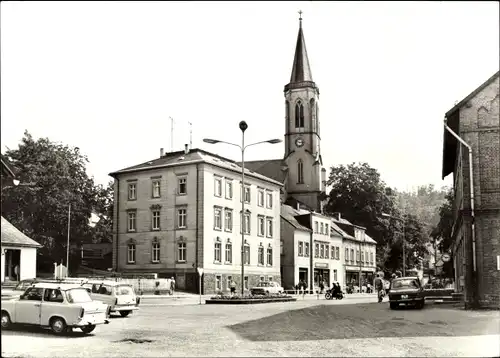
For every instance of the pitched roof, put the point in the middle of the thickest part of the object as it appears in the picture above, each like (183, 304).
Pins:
(7, 167)
(193, 156)
(11, 236)
(288, 213)
(453, 121)
(273, 168)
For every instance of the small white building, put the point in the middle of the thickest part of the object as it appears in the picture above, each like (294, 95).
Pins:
(18, 254)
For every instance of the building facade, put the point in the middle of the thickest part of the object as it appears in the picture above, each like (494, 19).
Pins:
(476, 233)
(182, 211)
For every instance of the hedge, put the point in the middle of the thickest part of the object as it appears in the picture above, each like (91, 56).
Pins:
(437, 292)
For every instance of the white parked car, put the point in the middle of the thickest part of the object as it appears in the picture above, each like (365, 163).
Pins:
(119, 296)
(59, 306)
(267, 288)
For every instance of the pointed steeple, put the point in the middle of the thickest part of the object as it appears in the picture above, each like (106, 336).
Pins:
(301, 71)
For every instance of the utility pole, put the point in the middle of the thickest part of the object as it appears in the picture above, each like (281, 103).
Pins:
(190, 135)
(171, 134)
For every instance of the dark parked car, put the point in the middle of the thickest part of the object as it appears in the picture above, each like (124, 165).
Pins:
(407, 291)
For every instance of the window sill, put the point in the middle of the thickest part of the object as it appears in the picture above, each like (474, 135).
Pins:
(228, 263)
(131, 263)
(181, 261)
(228, 230)
(156, 197)
(156, 229)
(131, 231)
(229, 198)
(217, 229)
(260, 265)
(130, 199)
(155, 262)
(181, 194)
(269, 237)
(269, 265)
(217, 262)
(181, 228)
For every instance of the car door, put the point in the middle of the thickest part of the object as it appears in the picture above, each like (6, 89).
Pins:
(28, 308)
(52, 305)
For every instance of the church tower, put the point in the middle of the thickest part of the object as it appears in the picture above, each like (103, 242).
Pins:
(305, 179)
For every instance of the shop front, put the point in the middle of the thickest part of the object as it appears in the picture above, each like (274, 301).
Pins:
(321, 274)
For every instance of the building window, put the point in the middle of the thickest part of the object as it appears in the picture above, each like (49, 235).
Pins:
(299, 115)
(218, 282)
(260, 197)
(326, 230)
(156, 188)
(315, 227)
(352, 255)
(269, 256)
(228, 281)
(335, 275)
(247, 254)
(367, 258)
(269, 200)
(362, 257)
(131, 253)
(337, 253)
(333, 253)
(156, 251)
(182, 188)
(132, 191)
(261, 255)
(262, 228)
(269, 226)
(301, 248)
(300, 172)
(228, 220)
(229, 253)
(245, 282)
(246, 223)
(306, 249)
(229, 189)
(321, 228)
(246, 194)
(217, 218)
(327, 251)
(322, 251)
(181, 218)
(371, 258)
(131, 223)
(218, 187)
(357, 255)
(156, 219)
(346, 255)
(217, 251)
(181, 251)
(316, 250)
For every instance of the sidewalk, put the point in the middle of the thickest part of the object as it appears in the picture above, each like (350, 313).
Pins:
(186, 295)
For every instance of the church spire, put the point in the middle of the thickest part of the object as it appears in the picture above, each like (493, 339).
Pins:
(301, 71)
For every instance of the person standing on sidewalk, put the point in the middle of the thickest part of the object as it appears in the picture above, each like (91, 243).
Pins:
(232, 286)
(379, 286)
(172, 286)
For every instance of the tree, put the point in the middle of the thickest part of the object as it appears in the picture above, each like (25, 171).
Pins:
(103, 231)
(53, 177)
(358, 192)
(441, 234)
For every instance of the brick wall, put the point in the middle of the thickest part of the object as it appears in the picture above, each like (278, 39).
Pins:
(480, 128)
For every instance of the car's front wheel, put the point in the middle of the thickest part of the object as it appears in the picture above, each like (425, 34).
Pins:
(6, 322)
(125, 313)
(58, 325)
(88, 329)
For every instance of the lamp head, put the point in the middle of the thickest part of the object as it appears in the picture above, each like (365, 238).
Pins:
(275, 141)
(16, 182)
(243, 126)
(211, 141)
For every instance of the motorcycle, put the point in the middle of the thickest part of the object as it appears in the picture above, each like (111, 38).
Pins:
(329, 295)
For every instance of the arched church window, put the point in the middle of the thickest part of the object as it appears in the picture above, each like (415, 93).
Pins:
(312, 113)
(299, 115)
(300, 172)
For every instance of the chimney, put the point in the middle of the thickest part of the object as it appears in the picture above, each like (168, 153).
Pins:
(337, 216)
(161, 152)
(186, 148)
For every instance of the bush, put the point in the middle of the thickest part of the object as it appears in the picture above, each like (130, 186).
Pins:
(222, 296)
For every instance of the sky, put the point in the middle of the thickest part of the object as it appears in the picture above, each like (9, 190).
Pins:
(108, 76)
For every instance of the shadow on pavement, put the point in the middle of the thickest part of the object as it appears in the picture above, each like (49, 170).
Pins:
(364, 321)
(37, 331)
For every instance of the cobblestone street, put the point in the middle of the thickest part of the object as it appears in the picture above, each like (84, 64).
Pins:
(351, 327)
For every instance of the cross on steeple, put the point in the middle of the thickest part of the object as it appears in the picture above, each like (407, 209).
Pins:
(300, 15)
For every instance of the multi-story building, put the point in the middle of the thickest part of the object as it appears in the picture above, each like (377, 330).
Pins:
(476, 229)
(312, 249)
(359, 250)
(182, 211)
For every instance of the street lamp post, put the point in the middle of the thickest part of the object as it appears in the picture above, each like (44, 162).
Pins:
(404, 240)
(243, 127)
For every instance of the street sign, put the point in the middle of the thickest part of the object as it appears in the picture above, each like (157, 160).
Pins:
(445, 257)
(200, 271)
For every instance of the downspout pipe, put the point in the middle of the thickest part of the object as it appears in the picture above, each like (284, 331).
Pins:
(471, 180)
(197, 217)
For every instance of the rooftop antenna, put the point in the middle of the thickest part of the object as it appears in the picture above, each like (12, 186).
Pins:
(171, 134)
(190, 135)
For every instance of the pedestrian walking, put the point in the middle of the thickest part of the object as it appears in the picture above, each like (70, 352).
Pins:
(172, 286)
(232, 286)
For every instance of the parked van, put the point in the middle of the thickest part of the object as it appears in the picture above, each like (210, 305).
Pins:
(119, 296)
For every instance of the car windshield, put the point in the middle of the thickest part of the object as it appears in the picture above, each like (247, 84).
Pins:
(410, 283)
(78, 295)
(22, 286)
(124, 290)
